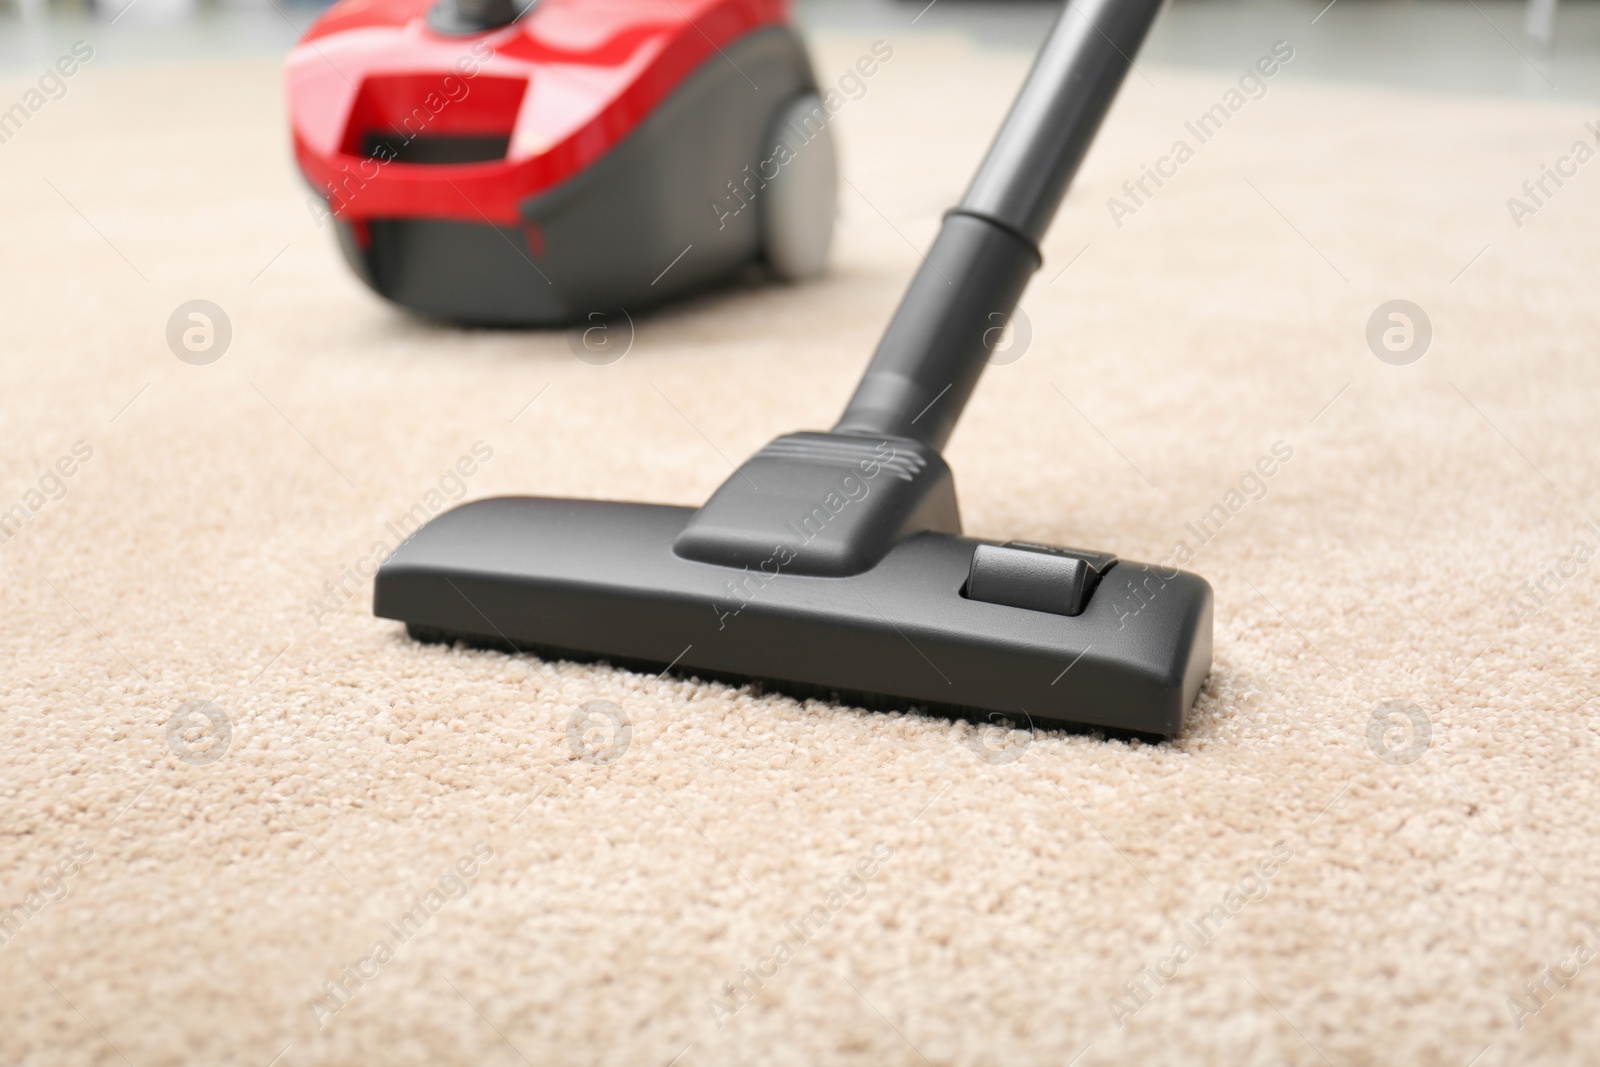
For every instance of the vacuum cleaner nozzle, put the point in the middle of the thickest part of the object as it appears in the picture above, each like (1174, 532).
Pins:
(580, 579)
(837, 502)
(833, 564)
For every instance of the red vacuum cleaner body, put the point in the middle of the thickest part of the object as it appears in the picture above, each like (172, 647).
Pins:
(504, 163)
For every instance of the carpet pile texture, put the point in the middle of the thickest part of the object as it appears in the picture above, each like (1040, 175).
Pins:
(1373, 838)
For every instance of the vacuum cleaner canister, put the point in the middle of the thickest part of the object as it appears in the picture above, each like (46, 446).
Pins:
(501, 162)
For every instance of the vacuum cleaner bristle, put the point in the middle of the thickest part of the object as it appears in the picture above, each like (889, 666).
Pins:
(832, 564)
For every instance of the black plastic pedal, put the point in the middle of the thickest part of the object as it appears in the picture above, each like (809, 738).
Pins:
(1022, 574)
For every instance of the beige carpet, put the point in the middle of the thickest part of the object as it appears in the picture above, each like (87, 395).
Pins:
(935, 906)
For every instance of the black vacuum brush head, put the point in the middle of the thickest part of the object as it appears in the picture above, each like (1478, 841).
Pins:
(833, 564)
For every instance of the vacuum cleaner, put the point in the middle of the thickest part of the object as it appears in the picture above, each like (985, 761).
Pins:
(534, 162)
(832, 564)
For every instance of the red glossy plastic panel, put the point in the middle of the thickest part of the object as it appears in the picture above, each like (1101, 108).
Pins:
(563, 85)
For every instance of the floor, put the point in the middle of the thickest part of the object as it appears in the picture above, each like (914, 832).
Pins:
(223, 781)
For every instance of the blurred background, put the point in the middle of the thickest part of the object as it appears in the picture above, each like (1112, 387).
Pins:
(1518, 47)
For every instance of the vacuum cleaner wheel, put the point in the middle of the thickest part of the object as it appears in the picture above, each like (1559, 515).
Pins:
(798, 212)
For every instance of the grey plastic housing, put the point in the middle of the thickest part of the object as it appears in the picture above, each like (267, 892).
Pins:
(937, 344)
(1039, 577)
(588, 579)
(839, 502)
(685, 183)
